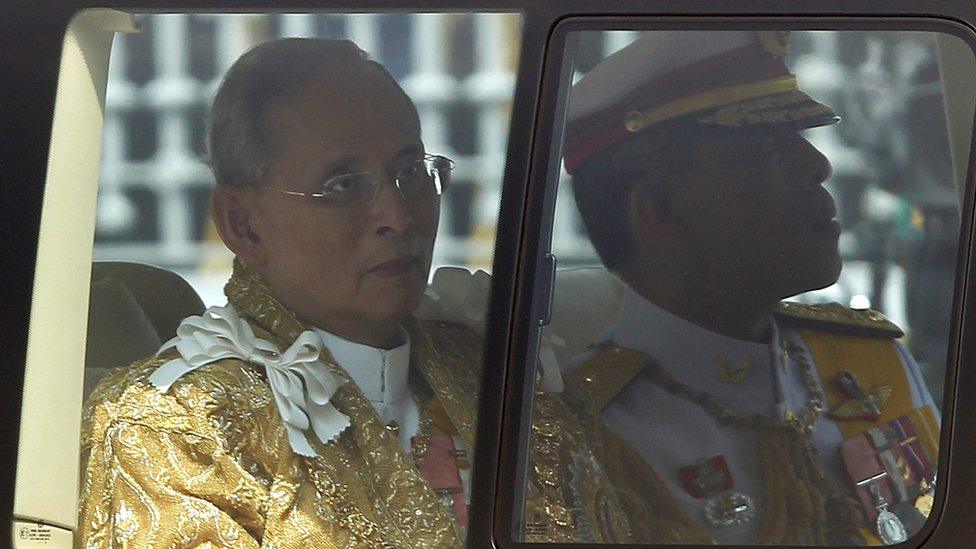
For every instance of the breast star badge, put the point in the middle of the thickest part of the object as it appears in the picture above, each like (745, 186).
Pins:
(863, 403)
(711, 479)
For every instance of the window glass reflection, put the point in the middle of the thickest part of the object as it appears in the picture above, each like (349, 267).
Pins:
(290, 211)
(757, 238)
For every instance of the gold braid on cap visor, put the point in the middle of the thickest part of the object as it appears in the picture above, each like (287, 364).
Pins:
(638, 120)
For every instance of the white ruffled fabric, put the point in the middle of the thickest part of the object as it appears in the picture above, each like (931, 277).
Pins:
(219, 333)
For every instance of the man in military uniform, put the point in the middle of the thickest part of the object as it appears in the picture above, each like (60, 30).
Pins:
(313, 410)
(754, 420)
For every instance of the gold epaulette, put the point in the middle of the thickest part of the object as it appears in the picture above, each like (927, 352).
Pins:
(605, 374)
(836, 318)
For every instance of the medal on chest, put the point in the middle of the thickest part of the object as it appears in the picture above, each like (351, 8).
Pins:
(440, 467)
(892, 476)
(439, 461)
(888, 526)
(710, 479)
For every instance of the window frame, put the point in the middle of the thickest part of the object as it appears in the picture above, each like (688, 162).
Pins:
(538, 235)
(31, 36)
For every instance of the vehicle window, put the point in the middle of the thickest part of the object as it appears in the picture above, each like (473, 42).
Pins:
(295, 226)
(756, 236)
(155, 181)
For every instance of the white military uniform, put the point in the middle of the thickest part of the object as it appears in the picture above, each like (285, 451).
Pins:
(669, 81)
(670, 432)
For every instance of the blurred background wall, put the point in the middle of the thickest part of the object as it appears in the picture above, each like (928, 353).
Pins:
(154, 189)
(892, 177)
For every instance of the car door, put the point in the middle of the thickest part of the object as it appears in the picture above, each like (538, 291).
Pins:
(550, 295)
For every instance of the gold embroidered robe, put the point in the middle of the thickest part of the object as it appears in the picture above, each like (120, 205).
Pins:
(208, 463)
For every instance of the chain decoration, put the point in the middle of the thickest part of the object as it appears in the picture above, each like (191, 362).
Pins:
(804, 423)
(829, 497)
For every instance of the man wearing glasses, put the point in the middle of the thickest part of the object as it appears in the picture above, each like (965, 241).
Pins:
(754, 420)
(313, 410)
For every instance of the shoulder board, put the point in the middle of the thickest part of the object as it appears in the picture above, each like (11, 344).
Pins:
(605, 374)
(834, 317)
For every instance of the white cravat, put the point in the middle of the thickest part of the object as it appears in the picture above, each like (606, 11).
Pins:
(381, 374)
(302, 386)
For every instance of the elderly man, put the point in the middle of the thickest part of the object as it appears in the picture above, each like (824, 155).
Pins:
(754, 420)
(312, 410)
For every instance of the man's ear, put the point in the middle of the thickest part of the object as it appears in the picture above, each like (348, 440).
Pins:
(648, 213)
(234, 216)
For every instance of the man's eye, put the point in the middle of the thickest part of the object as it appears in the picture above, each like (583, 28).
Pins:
(345, 186)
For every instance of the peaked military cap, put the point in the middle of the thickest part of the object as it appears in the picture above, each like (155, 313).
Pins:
(731, 79)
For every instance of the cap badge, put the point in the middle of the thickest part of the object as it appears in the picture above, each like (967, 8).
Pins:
(776, 43)
(633, 121)
(863, 403)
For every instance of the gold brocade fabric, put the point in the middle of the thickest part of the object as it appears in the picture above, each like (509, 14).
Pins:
(208, 463)
(570, 497)
(655, 516)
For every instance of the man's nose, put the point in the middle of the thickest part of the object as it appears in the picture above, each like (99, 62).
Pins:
(390, 213)
(815, 164)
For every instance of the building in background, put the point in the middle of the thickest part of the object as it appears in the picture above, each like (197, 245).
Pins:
(899, 214)
(154, 191)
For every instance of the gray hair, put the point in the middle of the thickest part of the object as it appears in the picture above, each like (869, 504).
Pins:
(240, 146)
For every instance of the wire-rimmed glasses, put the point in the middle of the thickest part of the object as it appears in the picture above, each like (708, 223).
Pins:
(420, 182)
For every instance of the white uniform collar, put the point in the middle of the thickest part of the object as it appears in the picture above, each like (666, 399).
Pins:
(696, 356)
(381, 374)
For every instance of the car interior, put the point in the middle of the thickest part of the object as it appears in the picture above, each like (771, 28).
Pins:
(100, 315)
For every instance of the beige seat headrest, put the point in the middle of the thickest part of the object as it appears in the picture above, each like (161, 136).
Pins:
(133, 309)
(164, 295)
(586, 301)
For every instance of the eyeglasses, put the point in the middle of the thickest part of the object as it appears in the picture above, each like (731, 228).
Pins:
(420, 183)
